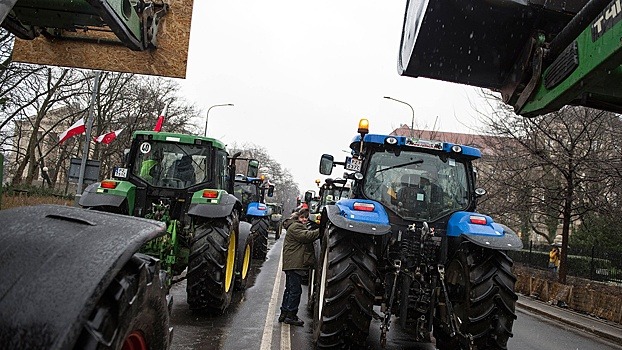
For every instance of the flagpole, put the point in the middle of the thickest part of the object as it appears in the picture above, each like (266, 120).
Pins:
(87, 138)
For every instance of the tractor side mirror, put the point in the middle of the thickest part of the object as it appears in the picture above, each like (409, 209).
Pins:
(270, 190)
(308, 196)
(326, 164)
(126, 157)
(253, 168)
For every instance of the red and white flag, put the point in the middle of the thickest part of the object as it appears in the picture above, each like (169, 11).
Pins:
(158, 126)
(107, 138)
(76, 129)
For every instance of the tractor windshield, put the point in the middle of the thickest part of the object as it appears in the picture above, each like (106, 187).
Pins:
(174, 165)
(417, 186)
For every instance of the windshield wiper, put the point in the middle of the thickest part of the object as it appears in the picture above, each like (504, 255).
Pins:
(418, 161)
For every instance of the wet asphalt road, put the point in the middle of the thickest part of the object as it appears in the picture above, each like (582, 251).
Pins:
(251, 322)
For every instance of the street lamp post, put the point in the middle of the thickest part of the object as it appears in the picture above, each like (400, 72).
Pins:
(207, 114)
(412, 123)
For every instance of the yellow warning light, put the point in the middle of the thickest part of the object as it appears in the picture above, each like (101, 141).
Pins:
(363, 126)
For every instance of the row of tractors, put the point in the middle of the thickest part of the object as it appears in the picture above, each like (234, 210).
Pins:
(176, 210)
(400, 236)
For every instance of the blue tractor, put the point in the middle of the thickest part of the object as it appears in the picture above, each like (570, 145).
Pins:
(409, 241)
(251, 191)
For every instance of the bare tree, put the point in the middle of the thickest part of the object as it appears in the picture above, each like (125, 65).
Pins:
(285, 188)
(132, 102)
(544, 170)
(46, 90)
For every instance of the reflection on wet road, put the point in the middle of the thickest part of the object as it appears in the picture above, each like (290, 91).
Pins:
(251, 322)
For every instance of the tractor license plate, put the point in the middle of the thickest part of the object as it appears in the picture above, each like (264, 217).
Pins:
(120, 172)
(353, 164)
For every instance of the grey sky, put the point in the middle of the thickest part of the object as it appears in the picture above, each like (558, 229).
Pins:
(301, 75)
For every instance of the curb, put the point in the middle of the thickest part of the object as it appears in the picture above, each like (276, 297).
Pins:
(611, 337)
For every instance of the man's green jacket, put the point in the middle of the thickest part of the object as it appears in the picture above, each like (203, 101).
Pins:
(298, 246)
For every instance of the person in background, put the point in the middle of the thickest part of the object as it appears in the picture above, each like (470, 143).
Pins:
(298, 256)
(554, 260)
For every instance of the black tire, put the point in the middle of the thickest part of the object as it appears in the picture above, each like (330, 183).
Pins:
(133, 311)
(277, 232)
(211, 265)
(243, 264)
(345, 297)
(314, 273)
(480, 284)
(260, 246)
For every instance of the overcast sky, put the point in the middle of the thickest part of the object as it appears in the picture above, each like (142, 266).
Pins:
(302, 74)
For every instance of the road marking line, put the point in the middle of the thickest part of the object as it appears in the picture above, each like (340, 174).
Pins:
(285, 341)
(266, 339)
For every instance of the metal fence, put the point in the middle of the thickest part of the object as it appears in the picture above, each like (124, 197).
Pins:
(595, 263)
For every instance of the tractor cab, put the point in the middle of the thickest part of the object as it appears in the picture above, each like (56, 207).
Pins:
(171, 161)
(414, 179)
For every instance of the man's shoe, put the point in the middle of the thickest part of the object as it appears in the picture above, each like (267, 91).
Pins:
(283, 316)
(294, 321)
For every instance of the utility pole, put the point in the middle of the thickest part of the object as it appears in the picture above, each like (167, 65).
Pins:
(87, 137)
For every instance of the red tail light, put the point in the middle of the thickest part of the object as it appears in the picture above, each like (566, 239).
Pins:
(363, 206)
(262, 207)
(108, 184)
(478, 220)
(210, 194)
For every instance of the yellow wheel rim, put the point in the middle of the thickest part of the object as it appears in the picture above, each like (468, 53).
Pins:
(230, 261)
(247, 260)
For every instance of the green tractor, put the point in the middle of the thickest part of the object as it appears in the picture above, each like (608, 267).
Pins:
(185, 181)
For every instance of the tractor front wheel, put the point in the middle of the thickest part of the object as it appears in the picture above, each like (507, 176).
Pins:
(243, 264)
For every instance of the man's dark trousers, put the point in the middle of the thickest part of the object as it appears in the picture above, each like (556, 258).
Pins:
(293, 291)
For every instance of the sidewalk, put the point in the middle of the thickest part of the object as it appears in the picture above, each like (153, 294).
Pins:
(599, 327)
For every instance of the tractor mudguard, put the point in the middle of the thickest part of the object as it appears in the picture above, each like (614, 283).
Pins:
(488, 234)
(245, 231)
(343, 215)
(218, 207)
(95, 196)
(257, 209)
(57, 261)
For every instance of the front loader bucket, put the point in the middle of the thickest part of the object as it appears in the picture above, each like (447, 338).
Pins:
(475, 42)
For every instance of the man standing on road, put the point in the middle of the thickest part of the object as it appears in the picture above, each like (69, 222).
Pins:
(298, 256)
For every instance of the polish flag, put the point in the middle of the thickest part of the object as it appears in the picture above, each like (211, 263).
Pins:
(107, 138)
(158, 126)
(76, 129)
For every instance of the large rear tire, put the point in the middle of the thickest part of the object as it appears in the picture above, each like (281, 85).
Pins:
(211, 265)
(480, 285)
(345, 295)
(314, 277)
(134, 311)
(260, 247)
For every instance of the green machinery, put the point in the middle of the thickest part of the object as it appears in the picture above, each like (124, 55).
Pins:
(185, 181)
(134, 23)
(540, 55)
